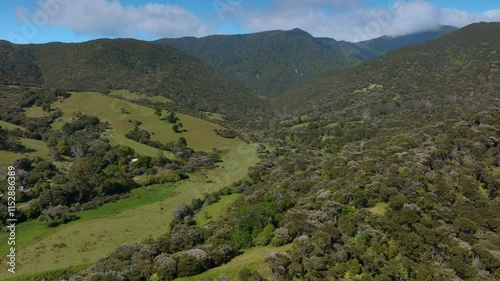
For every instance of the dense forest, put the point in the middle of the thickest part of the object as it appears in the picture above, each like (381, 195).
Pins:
(388, 170)
(273, 62)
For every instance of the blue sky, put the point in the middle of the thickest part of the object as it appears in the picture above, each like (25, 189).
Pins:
(40, 21)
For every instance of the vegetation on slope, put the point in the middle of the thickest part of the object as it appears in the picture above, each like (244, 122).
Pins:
(268, 62)
(105, 65)
(395, 181)
(380, 46)
(387, 171)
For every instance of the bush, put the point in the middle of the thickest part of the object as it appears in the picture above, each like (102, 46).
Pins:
(265, 236)
(171, 176)
(165, 267)
(193, 262)
(281, 237)
(56, 216)
(229, 134)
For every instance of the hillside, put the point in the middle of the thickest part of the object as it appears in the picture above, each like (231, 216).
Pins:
(456, 65)
(268, 62)
(380, 46)
(387, 170)
(104, 65)
(16, 68)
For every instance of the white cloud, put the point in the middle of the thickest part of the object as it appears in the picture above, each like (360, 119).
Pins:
(112, 18)
(335, 5)
(339, 19)
(462, 18)
(356, 23)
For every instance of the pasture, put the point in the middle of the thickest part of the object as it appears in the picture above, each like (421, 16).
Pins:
(199, 133)
(215, 211)
(146, 214)
(39, 147)
(252, 259)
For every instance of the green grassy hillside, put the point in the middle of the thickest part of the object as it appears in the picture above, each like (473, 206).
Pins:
(200, 134)
(39, 148)
(146, 214)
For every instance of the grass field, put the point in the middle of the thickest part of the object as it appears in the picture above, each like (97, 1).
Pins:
(37, 275)
(35, 112)
(41, 148)
(10, 126)
(215, 211)
(200, 133)
(252, 259)
(100, 231)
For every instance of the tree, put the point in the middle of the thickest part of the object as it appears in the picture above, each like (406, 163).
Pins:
(123, 110)
(171, 118)
(279, 264)
(46, 107)
(87, 174)
(182, 141)
(158, 112)
(192, 262)
(166, 267)
(175, 128)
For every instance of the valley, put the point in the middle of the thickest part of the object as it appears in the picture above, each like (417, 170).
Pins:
(275, 155)
(148, 210)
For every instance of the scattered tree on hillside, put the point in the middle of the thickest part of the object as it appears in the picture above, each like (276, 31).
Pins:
(182, 141)
(158, 112)
(46, 107)
(171, 118)
(175, 128)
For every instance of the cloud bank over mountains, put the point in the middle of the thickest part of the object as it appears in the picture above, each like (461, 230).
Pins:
(343, 20)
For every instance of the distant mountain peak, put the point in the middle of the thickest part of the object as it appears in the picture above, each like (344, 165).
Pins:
(298, 30)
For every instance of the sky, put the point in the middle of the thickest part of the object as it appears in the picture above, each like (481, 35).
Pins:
(41, 21)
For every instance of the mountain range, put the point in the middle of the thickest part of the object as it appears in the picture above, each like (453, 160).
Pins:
(105, 65)
(268, 63)
(275, 61)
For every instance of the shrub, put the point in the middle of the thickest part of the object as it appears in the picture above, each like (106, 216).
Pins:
(193, 262)
(229, 134)
(281, 237)
(265, 236)
(56, 216)
(165, 267)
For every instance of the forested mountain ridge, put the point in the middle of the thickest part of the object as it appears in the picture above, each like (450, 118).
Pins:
(379, 46)
(434, 67)
(104, 65)
(274, 61)
(269, 62)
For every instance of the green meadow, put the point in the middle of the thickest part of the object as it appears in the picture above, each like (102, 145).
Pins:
(147, 213)
(36, 112)
(39, 147)
(252, 259)
(215, 211)
(199, 133)
(10, 126)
